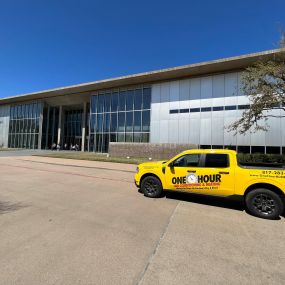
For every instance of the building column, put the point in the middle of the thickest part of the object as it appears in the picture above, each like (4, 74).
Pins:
(40, 127)
(83, 127)
(59, 125)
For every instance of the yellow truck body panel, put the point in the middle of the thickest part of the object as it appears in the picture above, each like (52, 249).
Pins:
(225, 178)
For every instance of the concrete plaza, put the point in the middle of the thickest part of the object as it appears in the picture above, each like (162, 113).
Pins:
(82, 222)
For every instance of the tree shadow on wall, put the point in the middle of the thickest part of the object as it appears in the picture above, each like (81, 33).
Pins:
(8, 207)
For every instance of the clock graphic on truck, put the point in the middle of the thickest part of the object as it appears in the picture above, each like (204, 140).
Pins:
(191, 178)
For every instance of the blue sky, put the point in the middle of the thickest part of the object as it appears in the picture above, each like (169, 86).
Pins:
(48, 44)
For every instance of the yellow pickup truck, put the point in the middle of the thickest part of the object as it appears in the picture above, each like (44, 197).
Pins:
(217, 172)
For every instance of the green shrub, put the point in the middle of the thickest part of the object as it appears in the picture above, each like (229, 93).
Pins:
(260, 157)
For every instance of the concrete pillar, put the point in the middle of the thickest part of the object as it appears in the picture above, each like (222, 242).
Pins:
(59, 125)
(83, 127)
(40, 127)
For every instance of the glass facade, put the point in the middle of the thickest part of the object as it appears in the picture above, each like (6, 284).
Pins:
(24, 125)
(73, 127)
(50, 126)
(119, 116)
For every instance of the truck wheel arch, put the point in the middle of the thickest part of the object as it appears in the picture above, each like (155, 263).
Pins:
(149, 174)
(268, 186)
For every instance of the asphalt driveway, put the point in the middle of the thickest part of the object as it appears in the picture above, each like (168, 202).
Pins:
(81, 222)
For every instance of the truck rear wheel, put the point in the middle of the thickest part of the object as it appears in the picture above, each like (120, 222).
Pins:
(264, 203)
(151, 187)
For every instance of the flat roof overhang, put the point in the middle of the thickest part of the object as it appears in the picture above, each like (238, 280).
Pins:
(203, 68)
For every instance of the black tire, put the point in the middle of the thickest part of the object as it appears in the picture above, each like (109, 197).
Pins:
(151, 187)
(264, 203)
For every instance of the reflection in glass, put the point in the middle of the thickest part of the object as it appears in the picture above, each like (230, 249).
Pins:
(122, 101)
(20, 127)
(122, 116)
(130, 100)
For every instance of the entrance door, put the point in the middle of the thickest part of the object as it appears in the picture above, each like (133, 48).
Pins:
(201, 173)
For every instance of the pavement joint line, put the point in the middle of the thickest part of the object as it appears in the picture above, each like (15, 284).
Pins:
(62, 172)
(89, 167)
(153, 254)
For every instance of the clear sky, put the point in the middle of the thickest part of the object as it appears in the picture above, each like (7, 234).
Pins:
(54, 43)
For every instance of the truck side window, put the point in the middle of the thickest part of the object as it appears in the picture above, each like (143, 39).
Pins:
(217, 160)
(188, 160)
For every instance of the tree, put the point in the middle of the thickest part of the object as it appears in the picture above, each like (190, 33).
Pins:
(282, 40)
(264, 84)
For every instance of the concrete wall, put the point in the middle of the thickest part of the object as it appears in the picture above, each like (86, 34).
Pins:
(206, 128)
(4, 125)
(155, 151)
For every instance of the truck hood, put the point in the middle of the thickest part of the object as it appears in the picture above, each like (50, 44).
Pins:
(152, 165)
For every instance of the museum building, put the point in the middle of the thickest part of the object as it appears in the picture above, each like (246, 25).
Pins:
(191, 104)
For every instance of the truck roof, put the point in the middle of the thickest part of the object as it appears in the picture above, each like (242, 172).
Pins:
(211, 151)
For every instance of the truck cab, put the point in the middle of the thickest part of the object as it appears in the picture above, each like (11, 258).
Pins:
(217, 172)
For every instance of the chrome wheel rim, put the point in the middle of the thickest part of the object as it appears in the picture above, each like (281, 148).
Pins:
(264, 204)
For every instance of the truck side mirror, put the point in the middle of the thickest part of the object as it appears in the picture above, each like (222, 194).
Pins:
(171, 164)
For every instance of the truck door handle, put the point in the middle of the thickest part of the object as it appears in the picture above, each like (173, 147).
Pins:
(193, 171)
(224, 172)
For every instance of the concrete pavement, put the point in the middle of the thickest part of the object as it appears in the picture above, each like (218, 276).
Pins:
(82, 222)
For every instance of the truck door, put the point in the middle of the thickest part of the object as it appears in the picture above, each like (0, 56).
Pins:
(215, 176)
(201, 173)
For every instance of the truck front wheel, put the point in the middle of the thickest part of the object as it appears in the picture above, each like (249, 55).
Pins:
(151, 187)
(264, 203)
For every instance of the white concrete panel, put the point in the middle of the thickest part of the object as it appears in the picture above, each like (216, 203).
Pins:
(242, 100)
(205, 132)
(218, 114)
(206, 102)
(184, 131)
(231, 101)
(206, 115)
(206, 87)
(4, 125)
(164, 111)
(173, 128)
(154, 131)
(195, 103)
(258, 138)
(240, 90)
(218, 101)
(155, 111)
(155, 93)
(219, 86)
(229, 137)
(195, 88)
(217, 131)
(174, 91)
(283, 131)
(165, 92)
(243, 139)
(231, 84)
(194, 136)
(174, 105)
(163, 131)
(184, 90)
(195, 115)
(273, 136)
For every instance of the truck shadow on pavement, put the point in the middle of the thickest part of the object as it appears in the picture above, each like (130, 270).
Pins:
(233, 202)
(7, 207)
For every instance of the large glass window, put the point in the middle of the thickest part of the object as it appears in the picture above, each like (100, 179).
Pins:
(130, 100)
(120, 116)
(122, 100)
(25, 121)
